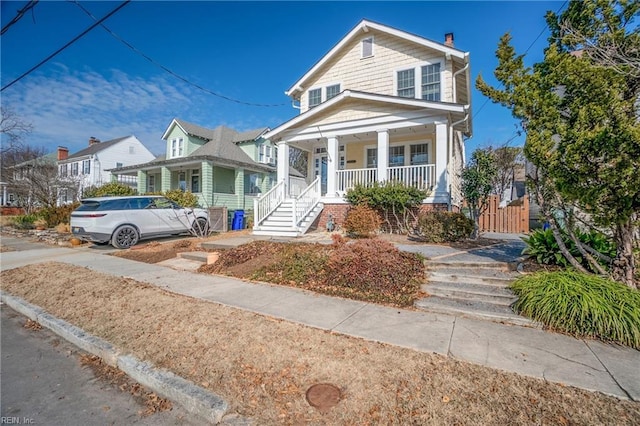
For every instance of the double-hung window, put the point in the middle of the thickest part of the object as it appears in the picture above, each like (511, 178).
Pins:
(63, 170)
(177, 147)
(431, 82)
(332, 91)
(74, 169)
(86, 167)
(315, 97)
(407, 83)
(367, 47)
(266, 154)
(396, 156)
(419, 154)
(195, 180)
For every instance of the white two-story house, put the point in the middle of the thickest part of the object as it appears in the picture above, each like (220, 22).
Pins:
(381, 105)
(90, 166)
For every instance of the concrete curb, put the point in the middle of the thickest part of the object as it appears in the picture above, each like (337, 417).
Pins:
(193, 398)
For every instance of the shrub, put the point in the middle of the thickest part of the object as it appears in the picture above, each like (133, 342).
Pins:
(543, 247)
(362, 221)
(24, 221)
(184, 199)
(440, 227)
(392, 199)
(57, 215)
(108, 189)
(375, 269)
(581, 304)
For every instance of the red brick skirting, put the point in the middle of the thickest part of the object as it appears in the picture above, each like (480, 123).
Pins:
(11, 211)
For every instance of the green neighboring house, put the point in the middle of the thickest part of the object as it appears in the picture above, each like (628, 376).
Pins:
(222, 166)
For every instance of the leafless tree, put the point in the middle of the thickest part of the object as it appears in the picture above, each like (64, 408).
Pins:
(13, 130)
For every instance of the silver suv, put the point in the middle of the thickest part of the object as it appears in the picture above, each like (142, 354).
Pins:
(124, 221)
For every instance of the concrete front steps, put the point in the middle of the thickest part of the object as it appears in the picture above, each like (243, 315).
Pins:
(475, 289)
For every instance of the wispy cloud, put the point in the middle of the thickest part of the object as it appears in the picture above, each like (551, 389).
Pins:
(67, 107)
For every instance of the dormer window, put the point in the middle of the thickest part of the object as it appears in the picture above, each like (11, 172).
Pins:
(367, 47)
(315, 97)
(177, 147)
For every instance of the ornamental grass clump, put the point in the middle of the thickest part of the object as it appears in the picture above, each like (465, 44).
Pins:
(582, 305)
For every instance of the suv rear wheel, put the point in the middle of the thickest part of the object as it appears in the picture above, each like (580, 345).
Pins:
(125, 236)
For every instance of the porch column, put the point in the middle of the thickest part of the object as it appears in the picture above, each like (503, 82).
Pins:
(332, 165)
(283, 165)
(239, 188)
(207, 183)
(142, 181)
(383, 154)
(440, 190)
(165, 179)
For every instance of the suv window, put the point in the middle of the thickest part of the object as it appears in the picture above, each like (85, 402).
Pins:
(88, 206)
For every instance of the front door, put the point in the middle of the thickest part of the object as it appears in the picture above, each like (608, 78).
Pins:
(320, 169)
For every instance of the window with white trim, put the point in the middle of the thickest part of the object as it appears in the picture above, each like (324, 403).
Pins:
(406, 83)
(195, 180)
(63, 170)
(396, 156)
(132, 149)
(177, 147)
(372, 158)
(367, 47)
(86, 167)
(431, 82)
(151, 183)
(182, 181)
(266, 154)
(315, 97)
(342, 160)
(332, 91)
(419, 154)
(74, 169)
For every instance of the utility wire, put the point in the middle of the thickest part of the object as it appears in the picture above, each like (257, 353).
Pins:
(124, 3)
(20, 14)
(179, 77)
(525, 52)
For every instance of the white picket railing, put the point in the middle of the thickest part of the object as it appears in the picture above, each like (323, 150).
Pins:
(347, 179)
(263, 206)
(305, 202)
(422, 177)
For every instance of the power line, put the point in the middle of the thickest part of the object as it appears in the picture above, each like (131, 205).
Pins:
(178, 76)
(124, 3)
(525, 52)
(20, 14)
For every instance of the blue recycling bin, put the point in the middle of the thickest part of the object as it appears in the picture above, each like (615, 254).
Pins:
(238, 219)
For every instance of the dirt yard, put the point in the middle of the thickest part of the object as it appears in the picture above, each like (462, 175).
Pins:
(264, 366)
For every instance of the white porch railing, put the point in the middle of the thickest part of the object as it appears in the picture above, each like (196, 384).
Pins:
(422, 177)
(347, 179)
(263, 206)
(305, 202)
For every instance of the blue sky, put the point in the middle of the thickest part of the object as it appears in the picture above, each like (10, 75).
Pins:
(248, 51)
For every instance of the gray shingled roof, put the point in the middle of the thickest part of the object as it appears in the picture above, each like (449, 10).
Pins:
(249, 135)
(96, 148)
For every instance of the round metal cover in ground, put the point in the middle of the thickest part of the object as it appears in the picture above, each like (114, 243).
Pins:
(323, 396)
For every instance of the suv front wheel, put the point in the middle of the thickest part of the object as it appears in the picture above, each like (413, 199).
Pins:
(124, 237)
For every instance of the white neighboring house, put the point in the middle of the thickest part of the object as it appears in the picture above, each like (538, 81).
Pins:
(91, 166)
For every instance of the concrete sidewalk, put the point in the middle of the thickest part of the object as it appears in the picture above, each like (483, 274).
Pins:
(587, 364)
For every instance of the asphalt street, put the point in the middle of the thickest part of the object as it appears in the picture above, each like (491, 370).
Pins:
(44, 383)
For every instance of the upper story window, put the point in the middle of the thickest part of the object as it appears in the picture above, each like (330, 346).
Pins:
(177, 147)
(407, 83)
(332, 91)
(367, 47)
(63, 170)
(315, 97)
(266, 154)
(86, 167)
(74, 169)
(431, 82)
(132, 149)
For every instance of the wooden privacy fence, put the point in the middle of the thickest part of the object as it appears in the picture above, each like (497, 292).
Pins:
(218, 219)
(513, 218)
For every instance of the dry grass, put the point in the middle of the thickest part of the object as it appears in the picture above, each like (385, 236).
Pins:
(264, 366)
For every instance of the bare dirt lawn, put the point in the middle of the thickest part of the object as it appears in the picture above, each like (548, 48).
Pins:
(264, 366)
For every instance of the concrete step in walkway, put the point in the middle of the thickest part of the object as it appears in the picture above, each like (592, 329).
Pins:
(476, 289)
